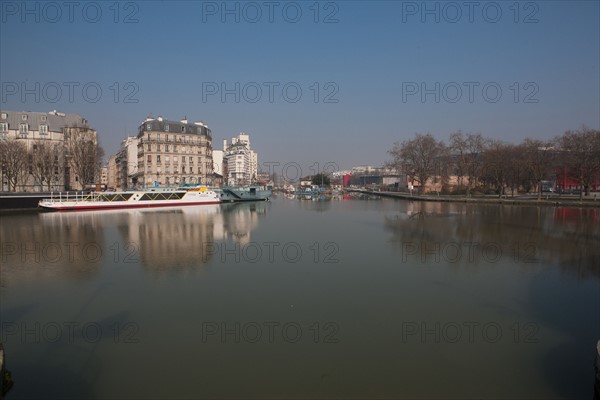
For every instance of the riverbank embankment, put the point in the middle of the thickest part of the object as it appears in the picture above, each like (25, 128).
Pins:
(547, 200)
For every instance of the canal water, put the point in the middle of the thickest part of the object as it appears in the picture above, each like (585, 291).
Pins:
(346, 298)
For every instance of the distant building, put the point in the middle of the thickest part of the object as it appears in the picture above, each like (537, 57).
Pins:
(173, 153)
(240, 162)
(364, 169)
(111, 181)
(366, 175)
(341, 173)
(265, 178)
(104, 176)
(567, 180)
(391, 180)
(217, 179)
(218, 162)
(347, 180)
(62, 133)
(126, 161)
(306, 181)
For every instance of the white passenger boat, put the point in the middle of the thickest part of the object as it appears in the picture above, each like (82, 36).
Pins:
(156, 197)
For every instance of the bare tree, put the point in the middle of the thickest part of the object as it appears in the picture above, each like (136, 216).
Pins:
(83, 153)
(99, 160)
(518, 174)
(13, 155)
(466, 151)
(497, 164)
(43, 163)
(419, 158)
(581, 154)
(539, 157)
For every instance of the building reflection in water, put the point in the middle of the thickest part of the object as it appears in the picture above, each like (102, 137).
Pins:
(236, 221)
(33, 246)
(533, 237)
(168, 239)
(159, 239)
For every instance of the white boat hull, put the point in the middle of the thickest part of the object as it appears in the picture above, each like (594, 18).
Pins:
(140, 199)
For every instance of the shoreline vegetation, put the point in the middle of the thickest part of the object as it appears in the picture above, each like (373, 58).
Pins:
(547, 200)
(471, 161)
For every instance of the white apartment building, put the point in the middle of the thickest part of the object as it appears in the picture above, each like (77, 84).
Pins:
(240, 162)
(218, 162)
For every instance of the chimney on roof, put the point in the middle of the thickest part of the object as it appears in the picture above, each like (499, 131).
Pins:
(184, 120)
(160, 118)
(149, 118)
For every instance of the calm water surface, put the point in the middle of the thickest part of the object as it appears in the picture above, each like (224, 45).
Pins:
(302, 299)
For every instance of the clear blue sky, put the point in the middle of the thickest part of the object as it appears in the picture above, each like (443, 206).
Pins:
(375, 55)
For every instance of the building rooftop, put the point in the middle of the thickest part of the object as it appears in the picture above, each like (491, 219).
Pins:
(55, 120)
(238, 144)
(160, 124)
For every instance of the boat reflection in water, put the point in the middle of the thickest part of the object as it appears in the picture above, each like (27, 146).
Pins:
(398, 266)
(80, 244)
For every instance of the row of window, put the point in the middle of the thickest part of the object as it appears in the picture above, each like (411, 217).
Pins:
(184, 149)
(31, 170)
(4, 137)
(23, 128)
(175, 180)
(167, 170)
(30, 164)
(24, 117)
(167, 127)
(175, 159)
(174, 138)
(182, 128)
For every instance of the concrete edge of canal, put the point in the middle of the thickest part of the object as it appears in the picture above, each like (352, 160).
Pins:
(561, 202)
